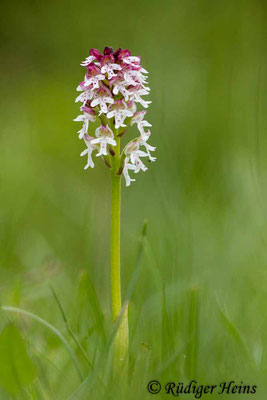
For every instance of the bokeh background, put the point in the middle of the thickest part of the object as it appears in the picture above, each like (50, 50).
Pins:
(198, 305)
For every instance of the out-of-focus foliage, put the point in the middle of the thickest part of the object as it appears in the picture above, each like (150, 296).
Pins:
(198, 307)
(16, 368)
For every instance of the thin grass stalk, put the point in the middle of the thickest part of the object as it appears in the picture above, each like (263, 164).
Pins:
(193, 332)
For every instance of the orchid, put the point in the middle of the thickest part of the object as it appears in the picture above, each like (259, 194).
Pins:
(93, 76)
(104, 136)
(109, 66)
(120, 112)
(133, 152)
(119, 85)
(102, 98)
(135, 93)
(111, 92)
(143, 142)
(88, 61)
(138, 118)
(87, 93)
(89, 115)
(128, 166)
(90, 148)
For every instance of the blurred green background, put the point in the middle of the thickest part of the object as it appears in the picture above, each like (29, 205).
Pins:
(198, 307)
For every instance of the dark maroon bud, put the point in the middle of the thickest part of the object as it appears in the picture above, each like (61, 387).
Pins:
(108, 51)
(117, 52)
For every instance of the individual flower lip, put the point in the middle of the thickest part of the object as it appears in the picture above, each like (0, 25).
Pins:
(114, 85)
(138, 118)
(89, 150)
(133, 77)
(133, 152)
(88, 61)
(119, 111)
(126, 175)
(103, 96)
(109, 66)
(143, 142)
(89, 115)
(87, 93)
(119, 86)
(135, 160)
(131, 60)
(93, 76)
(135, 93)
(104, 136)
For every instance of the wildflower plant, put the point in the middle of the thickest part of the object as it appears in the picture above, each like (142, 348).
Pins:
(111, 102)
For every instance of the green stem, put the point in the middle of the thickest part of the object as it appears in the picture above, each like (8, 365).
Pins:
(115, 244)
(121, 339)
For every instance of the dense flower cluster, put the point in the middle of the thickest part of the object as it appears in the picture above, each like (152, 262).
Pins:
(112, 88)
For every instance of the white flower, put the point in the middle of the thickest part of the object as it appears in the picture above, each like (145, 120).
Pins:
(120, 112)
(87, 94)
(135, 94)
(102, 97)
(143, 142)
(89, 115)
(88, 61)
(119, 86)
(134, 77)
(90, 148)
(135, 160)
(131, 60)
(129, 76)
(93, 76)
(104, 137)
(138, 119)
(109, 69)
(134, 153)
(125, 172)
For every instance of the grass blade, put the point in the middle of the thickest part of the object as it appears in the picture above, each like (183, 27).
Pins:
(51, 328)
(140, 253)
(68, 327)
(192, 347)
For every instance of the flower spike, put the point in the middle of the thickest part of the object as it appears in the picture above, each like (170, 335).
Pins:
(110, 95)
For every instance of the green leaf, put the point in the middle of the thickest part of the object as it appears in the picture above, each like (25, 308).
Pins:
(16, 368)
